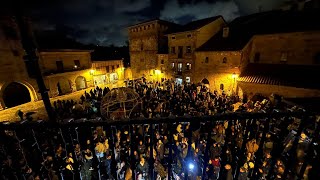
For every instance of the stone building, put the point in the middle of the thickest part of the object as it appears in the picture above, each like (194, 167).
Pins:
(146, 40)
(107, 72)
(264, 53)
(182, 43)
(64, 70)
(16, 87)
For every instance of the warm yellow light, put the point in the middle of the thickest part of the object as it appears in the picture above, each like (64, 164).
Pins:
(91, 71)
(75, 66)
(234, 75)
(157, 71)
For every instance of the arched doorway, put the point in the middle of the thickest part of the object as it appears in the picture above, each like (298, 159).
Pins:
(81, 83)
(205, 82)
(15, 94)
(64, 86)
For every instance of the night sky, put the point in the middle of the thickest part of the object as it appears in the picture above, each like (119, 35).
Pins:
(104, 22)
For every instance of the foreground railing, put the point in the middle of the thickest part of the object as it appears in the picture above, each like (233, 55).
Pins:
(28, 145)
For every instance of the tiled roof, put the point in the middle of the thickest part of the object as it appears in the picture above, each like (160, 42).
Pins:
(194, 25)
(243, 28)
(284, 75)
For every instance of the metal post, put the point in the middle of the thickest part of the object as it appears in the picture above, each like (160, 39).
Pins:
(151, 160)
(28, 44)
(206, 153)
(170, 134)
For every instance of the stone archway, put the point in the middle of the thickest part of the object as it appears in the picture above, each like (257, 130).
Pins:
(205, 82)
(15, 94)
(64, 86)
(80, 83)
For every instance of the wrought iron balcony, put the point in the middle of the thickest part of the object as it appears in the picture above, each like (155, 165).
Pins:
(34, 144)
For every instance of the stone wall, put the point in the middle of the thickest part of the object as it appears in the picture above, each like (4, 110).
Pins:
(296, 48)
(285, 91)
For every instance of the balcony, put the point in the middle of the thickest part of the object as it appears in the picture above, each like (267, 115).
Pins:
(40, 141)
(52, 72)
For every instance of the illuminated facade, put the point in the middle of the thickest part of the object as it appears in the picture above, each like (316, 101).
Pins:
(107, 72)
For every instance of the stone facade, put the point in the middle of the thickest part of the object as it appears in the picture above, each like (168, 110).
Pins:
(12, 65)
(182, 46)
(220, 68)
(105, 72)
(145, 42)
(298, 48)
(66, 71)
(267, 90)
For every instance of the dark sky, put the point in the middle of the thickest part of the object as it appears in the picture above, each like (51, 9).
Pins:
(104, 22)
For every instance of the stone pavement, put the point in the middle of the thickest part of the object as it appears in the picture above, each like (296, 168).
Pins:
(38, 107)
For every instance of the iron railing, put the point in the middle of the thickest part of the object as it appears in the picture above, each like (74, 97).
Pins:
(31, 135)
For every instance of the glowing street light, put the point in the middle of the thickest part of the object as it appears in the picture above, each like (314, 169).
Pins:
(191, 166)
(91, 71)
(234, 75)
(75, 66)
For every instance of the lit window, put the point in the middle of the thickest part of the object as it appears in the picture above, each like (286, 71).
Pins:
(188, 66)
(224, 60)
(188, 79)
(206, 60)
(172, 65)
(188, 49)
(284, 56)
(179, 67)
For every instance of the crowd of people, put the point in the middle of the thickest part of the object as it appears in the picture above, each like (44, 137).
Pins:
(226, 149)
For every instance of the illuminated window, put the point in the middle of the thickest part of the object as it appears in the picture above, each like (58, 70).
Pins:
(188, 49)
(172, 65)
(179, 67)
(188, 66)
(206, 60)
(284, 56)
(224, 60)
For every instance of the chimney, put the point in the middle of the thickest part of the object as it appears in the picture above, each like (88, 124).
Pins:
(225, 32)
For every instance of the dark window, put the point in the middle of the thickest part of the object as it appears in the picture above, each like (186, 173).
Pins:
(257, 57)
(173, 37)
(15, 52)
(59, 66)
(188, 49)
(162, 61)
(141, 47)
(107, 69)
(173, 50)
(112, 68)
(10, 32)
(180, 51)
(206, 60)
(144, 27)
(224, 60)
(149, 26)
(317, 58)
(189, 35)
(118, 66)
(221, 86)
(77, 63)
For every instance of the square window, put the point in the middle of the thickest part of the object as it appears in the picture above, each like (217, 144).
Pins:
(173, 37)
(189, 35)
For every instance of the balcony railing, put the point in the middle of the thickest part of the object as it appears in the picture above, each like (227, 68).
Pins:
(45, 147)
(51, 72)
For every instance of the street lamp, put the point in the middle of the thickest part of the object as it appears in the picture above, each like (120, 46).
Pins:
(234, 76)
(91, 73)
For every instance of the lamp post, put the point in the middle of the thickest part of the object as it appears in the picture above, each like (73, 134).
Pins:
(91, 73)
(234, 76)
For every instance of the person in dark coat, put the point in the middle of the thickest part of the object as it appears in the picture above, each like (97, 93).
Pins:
(227, 172)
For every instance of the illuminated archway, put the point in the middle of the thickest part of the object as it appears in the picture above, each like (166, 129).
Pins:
(81, 83)
(15, 94)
